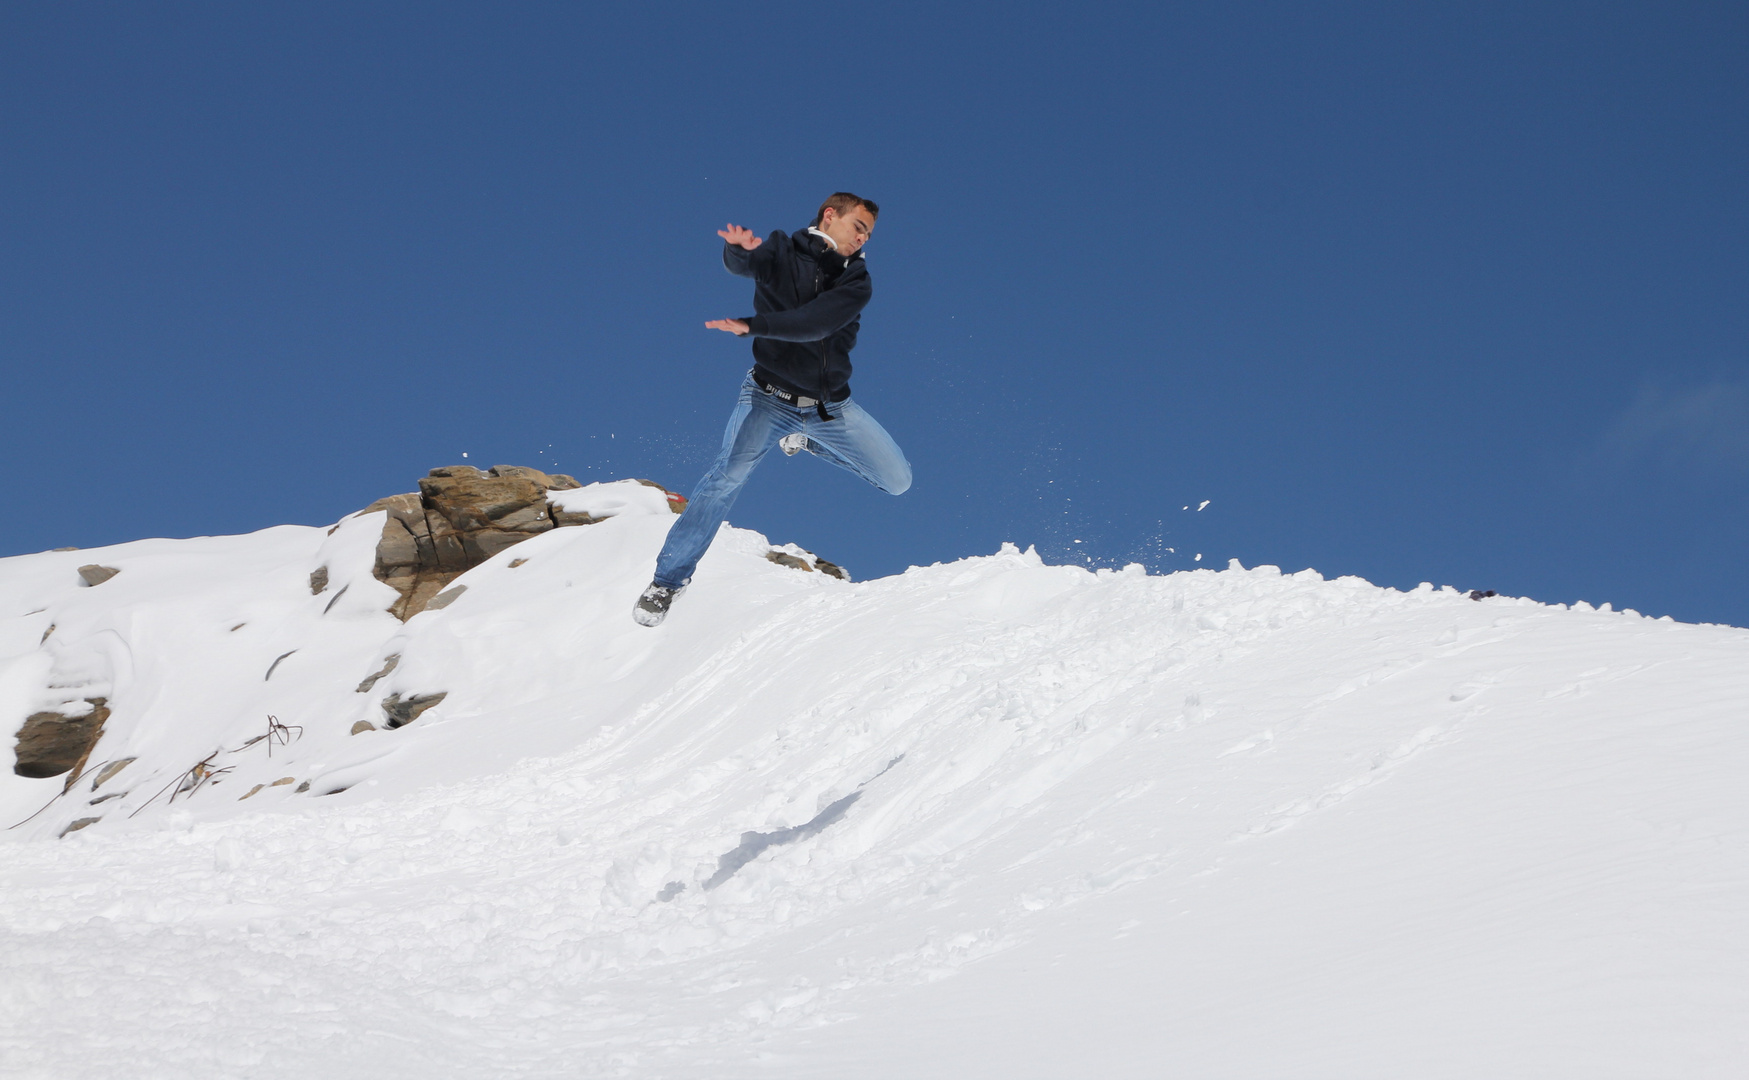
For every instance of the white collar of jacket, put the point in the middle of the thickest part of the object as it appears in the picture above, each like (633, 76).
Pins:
(833, 244)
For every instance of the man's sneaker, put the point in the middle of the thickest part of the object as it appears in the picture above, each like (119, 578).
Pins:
(653, 606)
(794, 444)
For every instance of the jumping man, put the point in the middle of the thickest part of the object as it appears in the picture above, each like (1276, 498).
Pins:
(808, 291)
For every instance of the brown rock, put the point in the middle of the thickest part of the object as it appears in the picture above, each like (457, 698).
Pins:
(400, 507)
(521, 472)
(50, 744)
(530, 519)
(448, 552)
(459, 518)
(478, 502)
(371, 680)
(396, 547)
(830, 569)
(485, 543)
(428, 585)
(401, 712)
(108, 771)
(550, 481)
(80, 824)
(318, 580)
(97, 575)
(361, 726)
(563, 518)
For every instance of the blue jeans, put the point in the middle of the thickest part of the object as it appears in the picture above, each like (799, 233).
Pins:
(851, 440)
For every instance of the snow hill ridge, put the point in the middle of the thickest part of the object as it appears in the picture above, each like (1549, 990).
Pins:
(986, 818)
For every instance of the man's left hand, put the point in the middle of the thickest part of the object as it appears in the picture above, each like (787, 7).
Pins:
(733, 326)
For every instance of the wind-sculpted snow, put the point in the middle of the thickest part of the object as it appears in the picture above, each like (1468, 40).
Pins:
(989, 818)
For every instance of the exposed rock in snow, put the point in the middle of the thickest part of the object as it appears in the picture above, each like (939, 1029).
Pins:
(76, 825)
(371, 679)
(794, 562)
(93, 574)
(459, 518)
(797, 558)
(403, 711)
(107, 771)
(51, 743)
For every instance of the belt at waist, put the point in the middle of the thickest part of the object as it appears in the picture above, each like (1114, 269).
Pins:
(786, 396)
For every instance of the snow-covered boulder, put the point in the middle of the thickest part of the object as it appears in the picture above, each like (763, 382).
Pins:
(460, 517)
(52, 742)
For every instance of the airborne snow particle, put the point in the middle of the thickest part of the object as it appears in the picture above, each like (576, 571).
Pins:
(1205, 502)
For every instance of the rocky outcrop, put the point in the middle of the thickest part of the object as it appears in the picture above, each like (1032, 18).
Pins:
(371, 679)
(459, 518)
(51, 743)
(92, 574)
(108, 771)
(399, 711)
(796, 562)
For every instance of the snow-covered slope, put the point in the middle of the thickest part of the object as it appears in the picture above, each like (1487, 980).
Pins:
(989, 818)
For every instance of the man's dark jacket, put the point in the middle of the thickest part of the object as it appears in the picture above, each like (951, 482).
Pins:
(809, 300)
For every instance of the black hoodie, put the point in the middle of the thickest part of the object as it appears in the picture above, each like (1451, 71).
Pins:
(809, 301)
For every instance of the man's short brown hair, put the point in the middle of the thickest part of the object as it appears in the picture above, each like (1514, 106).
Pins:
(840, 201)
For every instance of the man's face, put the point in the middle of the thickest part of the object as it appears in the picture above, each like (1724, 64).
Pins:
(849, 230)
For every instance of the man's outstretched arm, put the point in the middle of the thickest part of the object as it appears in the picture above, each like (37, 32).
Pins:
(816, 320)
(739, 253)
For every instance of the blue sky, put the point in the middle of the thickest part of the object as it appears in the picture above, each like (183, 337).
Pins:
(1453, 293)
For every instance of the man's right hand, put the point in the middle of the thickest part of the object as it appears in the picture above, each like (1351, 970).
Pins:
(740, 237)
